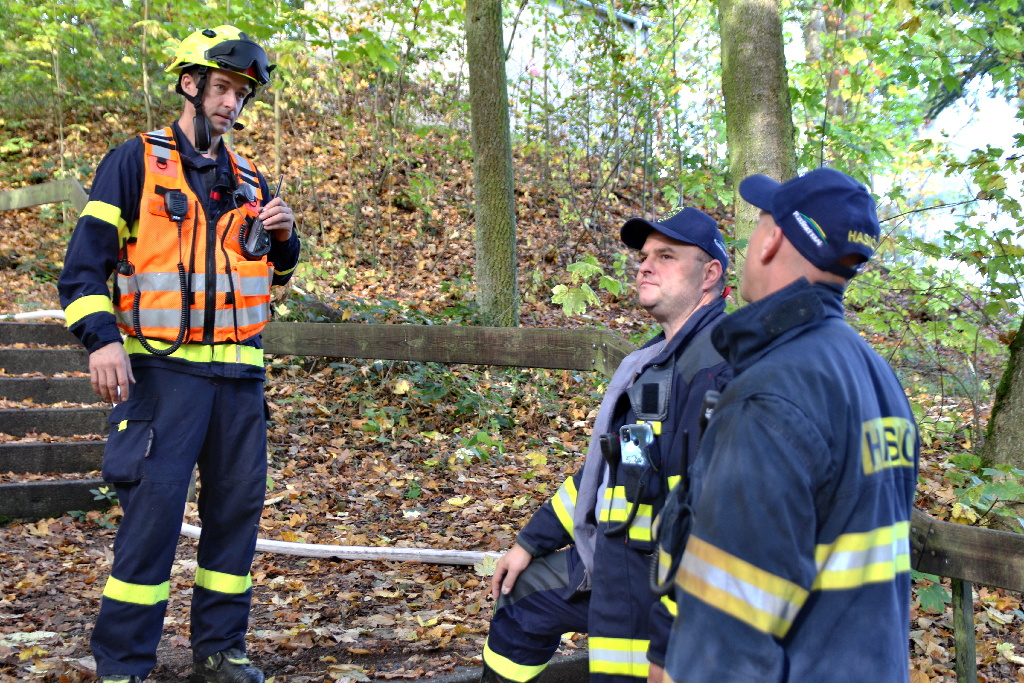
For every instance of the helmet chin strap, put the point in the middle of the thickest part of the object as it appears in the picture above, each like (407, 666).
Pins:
(200, 124)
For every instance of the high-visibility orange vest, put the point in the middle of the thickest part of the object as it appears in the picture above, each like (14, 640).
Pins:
(229, 294)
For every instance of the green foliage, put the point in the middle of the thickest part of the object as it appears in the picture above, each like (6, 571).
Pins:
(102, 519)
(479, 446)
(986, 492)
(414, 491)
(933, 596)
(104, 493)
(575, 297)
(940, 329)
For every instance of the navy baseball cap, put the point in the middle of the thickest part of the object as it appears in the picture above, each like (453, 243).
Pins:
(825, 214)
(688, 225)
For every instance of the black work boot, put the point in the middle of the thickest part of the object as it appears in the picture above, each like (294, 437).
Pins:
(488, 676)
(226, 666)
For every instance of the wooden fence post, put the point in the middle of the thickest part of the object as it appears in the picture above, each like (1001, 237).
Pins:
(966, 665)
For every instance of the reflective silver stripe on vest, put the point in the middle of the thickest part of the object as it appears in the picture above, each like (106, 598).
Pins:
(254, 285)
(242, 163)
(171, 317)
(246, 170)
(160, 152)
(258, 285)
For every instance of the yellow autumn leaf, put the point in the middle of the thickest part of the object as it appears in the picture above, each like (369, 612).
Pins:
(961, 514)
(918, 677)
(536, 458)
(459, 502)
(486, 566)
(401, 386)
(40, 529)
(32, 652)
(856, 56)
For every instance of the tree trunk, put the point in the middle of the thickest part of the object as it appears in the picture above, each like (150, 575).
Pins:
(277, 131)
(145, 68)
(755, 83)
(494, 203)
(1004, 442)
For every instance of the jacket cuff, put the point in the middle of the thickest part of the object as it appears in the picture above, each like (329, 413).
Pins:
(96, 331)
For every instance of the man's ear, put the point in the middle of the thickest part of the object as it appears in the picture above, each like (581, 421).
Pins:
(188, 83)
(712, 275)
(771, 245)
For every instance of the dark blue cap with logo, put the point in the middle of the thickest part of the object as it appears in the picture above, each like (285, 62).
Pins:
(688, 225)
(825, 214)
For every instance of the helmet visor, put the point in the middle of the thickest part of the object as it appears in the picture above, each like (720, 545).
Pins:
(242, 56)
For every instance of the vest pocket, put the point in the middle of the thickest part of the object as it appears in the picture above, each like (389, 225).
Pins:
(129, 441)
(253, 281)
(252, 296)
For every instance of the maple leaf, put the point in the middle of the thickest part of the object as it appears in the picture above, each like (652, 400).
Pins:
(486, 566)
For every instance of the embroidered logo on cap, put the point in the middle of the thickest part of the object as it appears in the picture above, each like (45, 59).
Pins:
(812, 229)
(862, 238)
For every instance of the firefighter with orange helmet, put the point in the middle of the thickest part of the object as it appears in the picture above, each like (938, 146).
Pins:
(191, 239)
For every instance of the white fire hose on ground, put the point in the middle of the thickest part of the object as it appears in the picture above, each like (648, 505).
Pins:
(356, 552)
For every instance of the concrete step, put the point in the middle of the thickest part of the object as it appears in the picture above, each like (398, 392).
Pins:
(54, 421)
(48, 389)
(45, 361)
(59, 456)
(42, 499)
(51, 334)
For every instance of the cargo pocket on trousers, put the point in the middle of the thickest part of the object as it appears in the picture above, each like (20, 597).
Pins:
(129, 441)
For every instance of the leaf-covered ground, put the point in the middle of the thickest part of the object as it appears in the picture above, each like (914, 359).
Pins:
(384, 453)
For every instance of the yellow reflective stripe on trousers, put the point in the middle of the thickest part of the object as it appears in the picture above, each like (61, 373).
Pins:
(136, 593)
(506, 668)
(108, 213)
(203, 353)
(223, 583)
(856, 559)
(87, 305)
(564, 504)
(618, 656)
(761, 599)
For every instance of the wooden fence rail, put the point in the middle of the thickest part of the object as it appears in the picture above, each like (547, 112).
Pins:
(66, 190)
(967, 555)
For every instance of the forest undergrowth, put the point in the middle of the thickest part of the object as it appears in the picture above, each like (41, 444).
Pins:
(397, 454)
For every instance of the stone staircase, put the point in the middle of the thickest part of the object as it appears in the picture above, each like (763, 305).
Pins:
(71, 466)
